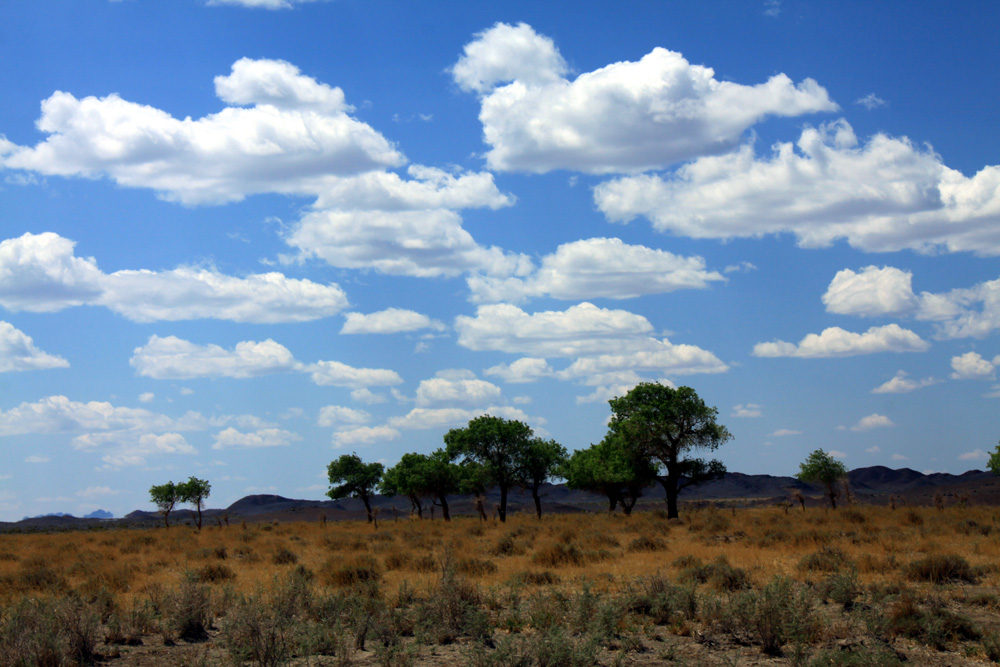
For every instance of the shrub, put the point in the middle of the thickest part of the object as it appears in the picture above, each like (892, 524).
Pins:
(186, 611)
(827, 559)
(559, 554)
(259, 631)
(664, 602)
(284, 557)
(507, 546)
(475, 567)
(535, 578)
(941, 569)
(934, 625)
(215, 573)
(359, 570)
(644, 543)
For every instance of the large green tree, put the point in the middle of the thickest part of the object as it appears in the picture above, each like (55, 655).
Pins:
(667, 424)
(497, 444)
(351, 477)
(821, 468)
(165, 497)
(542, 459)
(614, 468)
(194, 492)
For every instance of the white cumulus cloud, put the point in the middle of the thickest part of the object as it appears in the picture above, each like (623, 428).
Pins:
(871, 422)
(456, 387)
(836, 342)
(624, 117)
(886, 195)
(337, 415)
(972, 366)
(391, 320)
(595, 268)
(901, 383)
(285, 132)
(364, 435)
(41, 273)
(19, 353)
(872, 292)
(267, 437)
(173, 358)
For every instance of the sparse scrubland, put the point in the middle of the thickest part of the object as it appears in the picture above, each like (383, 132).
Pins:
(857, 586)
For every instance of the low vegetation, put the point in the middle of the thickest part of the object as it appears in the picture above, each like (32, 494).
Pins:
(721, 586)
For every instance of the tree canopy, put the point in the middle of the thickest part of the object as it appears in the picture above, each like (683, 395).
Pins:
(542, 459)
(612, 467)
(165, 497)
(194, 492)
(497, 444)
(351, 477)
(994, 463)
(666, 424)
(821, 468)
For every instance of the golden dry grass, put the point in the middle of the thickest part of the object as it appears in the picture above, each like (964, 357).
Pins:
(605, 550)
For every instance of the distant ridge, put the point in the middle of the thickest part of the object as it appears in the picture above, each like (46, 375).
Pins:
(869, 485)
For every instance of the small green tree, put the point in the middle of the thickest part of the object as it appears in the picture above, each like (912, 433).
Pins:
(612, 467)
(542, 459)
(352, 477)
(404, 479)
(194, 492)
(496, 443)
(994, 463)
(165, 497)
(821, 468)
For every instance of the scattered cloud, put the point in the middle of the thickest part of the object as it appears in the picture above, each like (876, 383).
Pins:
(887, 195)
(525, 369)
(364, 435)
(268, 437)
(391, 320)
(836, 342)
(665, 109)
(284, 132)
(974, 455)
(37, 459)
(261, 4)
(146, 397)
(872, 292)
(41, 273)
(19, 353)
(597, 268)
(338, 415)
(902, 384)
(748, 410)
(972, 366)
(871, 101)
(599, 340)
(456, 387)
(782, 432)
(173, 358)
(872, 421)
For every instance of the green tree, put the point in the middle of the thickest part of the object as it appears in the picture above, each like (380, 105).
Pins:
(165, 497)
(542, 459)
(496, 443)
(442, 477)
(666, 424)
(194, 492)
(994, 463)
(613, 468)
(821, 468)
(405, 479)
(352, 477)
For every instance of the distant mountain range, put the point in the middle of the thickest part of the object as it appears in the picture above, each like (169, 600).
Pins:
(872, 485)
(96, 514)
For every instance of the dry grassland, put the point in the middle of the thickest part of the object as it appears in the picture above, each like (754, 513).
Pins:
(859, 586)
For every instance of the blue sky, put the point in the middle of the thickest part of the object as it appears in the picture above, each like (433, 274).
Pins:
(241, 238)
